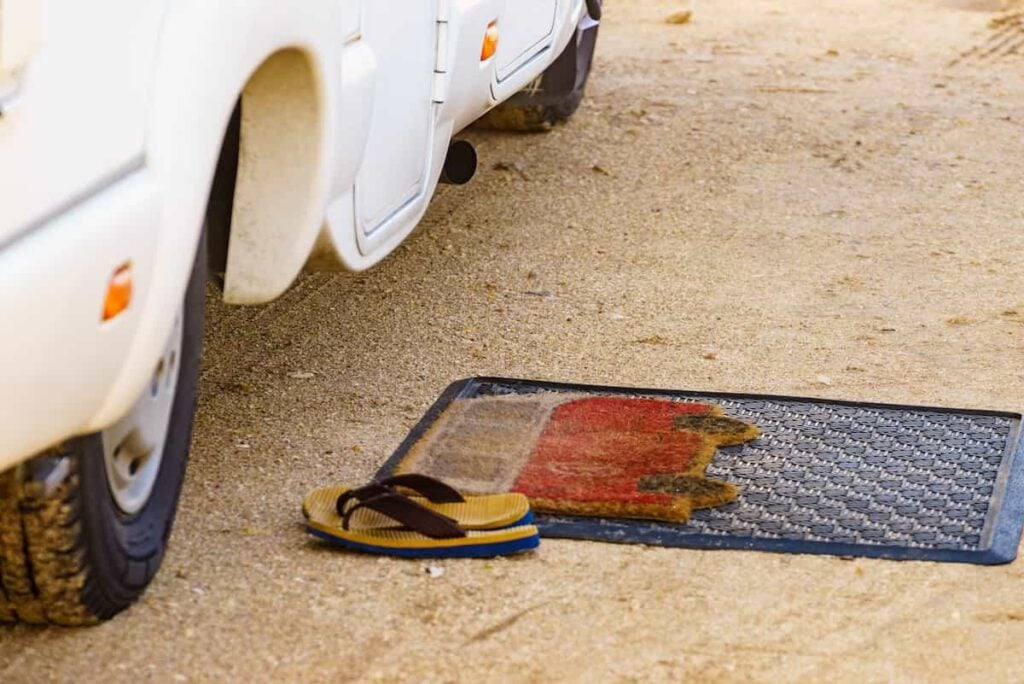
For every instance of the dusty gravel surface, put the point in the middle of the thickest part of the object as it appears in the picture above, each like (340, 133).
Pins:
(799, 197)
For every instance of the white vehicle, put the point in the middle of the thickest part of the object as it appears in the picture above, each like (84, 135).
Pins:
(144, 143)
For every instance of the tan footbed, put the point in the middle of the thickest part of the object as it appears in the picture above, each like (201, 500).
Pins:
(475, 513)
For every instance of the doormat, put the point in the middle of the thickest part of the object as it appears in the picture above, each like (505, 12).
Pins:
(620, 457)
(827, 477)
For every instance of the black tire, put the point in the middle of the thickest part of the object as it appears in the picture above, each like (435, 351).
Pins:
(555, 95)
(68, 554)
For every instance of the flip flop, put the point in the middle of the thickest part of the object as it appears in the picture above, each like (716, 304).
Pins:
(417, 531)
(485, 512)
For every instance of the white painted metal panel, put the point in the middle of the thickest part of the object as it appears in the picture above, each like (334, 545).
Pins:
(525, 29)
(19, 33)
(402, 36)
(81, 112)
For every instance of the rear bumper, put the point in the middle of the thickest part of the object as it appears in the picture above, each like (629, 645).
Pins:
(58, 360)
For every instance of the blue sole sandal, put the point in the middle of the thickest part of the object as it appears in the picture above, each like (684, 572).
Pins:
(439, 523)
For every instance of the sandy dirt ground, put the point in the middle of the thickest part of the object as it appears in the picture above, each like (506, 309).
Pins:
(794, 197)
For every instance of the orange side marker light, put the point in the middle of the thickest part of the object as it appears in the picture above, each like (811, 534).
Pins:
(119, 291)
(490, 41)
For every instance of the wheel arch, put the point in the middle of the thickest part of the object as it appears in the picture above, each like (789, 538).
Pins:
(280, 190)
(209, 58)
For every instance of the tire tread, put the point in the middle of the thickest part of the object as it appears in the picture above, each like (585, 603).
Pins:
(44, 573)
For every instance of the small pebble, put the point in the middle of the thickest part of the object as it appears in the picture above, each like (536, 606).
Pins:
(679, 17)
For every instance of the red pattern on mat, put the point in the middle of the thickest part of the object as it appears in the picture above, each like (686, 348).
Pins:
(596, 450)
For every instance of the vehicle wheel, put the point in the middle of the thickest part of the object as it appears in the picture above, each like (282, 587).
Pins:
(83, 528)
(553, 96)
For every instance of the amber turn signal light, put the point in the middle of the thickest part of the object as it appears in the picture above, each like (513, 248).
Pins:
(490, 42)
(119, 292)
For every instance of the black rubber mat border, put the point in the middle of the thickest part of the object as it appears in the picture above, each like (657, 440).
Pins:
(1003, 532)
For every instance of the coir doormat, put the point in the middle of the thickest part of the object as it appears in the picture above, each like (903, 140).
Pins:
(813, 476)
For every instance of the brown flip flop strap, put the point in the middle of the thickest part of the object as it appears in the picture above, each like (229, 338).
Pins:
(433, 490)
(360, 494)
(410, 514)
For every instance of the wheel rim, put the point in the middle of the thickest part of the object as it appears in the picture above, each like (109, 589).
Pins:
(134, 446)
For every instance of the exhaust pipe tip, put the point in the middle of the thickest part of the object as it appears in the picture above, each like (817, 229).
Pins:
(459, 164)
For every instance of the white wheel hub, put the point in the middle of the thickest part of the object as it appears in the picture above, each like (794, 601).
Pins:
(134, 446)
